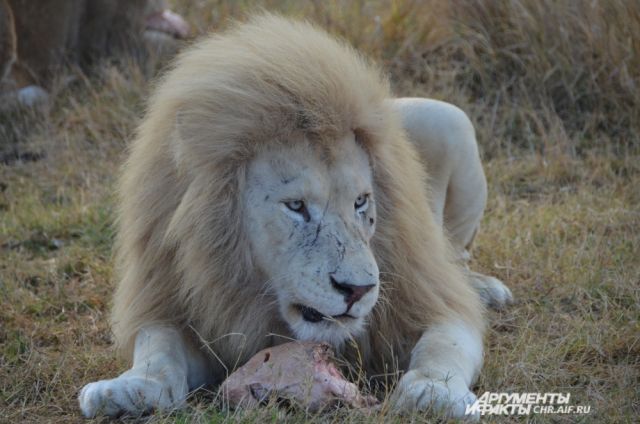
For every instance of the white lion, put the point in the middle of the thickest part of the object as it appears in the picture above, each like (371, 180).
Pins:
(271, 192)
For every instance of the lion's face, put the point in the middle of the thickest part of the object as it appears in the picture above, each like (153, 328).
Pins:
(310, 222)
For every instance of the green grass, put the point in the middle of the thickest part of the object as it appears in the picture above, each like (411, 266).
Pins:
(560, 135)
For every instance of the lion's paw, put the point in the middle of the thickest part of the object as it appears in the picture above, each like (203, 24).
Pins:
(416, 391)
(128, 394)
(493, 292)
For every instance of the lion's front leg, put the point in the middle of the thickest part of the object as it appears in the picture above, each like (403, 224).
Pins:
(444, 363)
(164, 368)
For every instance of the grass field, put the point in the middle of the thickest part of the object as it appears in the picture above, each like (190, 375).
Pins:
(553, 88)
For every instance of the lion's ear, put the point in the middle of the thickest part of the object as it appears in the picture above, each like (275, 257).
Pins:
(363, 139)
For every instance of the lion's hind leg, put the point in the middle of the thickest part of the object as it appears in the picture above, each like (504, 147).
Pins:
(493, 292)
(466, 196)
(446, 141)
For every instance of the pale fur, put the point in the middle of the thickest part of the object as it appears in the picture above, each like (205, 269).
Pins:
(300, 256)
(183, 251)
(446, 141)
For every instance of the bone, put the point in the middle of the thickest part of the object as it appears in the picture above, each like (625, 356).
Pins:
(168, 22)
(302, 373)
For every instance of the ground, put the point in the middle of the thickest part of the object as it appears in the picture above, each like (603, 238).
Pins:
(562, 227)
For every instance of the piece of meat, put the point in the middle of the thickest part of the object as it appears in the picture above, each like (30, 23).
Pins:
(302, 372)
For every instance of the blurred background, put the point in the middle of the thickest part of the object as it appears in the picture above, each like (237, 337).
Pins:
(552, 87)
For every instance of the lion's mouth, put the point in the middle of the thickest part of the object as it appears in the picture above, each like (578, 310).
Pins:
(310, 314)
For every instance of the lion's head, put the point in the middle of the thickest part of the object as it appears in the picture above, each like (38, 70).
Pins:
(269, 184)
(310, 219)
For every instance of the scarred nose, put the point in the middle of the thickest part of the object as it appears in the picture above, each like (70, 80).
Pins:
(352, 293)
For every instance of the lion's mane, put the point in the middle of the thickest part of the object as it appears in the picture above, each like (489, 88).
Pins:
(182, 254)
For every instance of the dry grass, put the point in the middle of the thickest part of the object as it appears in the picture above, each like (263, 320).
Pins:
(552, 87)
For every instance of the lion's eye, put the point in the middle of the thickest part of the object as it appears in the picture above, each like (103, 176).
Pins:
(362, 202)
(298, 207)
(295, 205)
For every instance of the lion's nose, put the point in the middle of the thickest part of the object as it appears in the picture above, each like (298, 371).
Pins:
(351, 292)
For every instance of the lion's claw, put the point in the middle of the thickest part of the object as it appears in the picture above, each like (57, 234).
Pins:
(127, 394)
(416, 391)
